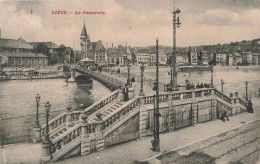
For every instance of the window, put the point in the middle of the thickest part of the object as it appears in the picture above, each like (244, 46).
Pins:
(20, 61)
(39, 61)
(33, 62)
(112, 60)
(13, 61)
(27, 61)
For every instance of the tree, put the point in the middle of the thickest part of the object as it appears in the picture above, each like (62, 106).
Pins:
(61, 54)
(42, 48)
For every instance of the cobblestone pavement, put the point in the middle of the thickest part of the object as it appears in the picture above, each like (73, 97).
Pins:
(240, 145)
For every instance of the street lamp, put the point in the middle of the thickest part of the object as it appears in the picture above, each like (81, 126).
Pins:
(211, 80)
(37, 98)
(246, 90)
(128, 72)
(173, 82)
(142, 80)
(156, 140)
(47, 144)
(222, 83)
(47, 108)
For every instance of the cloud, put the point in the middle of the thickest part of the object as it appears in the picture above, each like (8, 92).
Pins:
(137, 23)
(220, 17)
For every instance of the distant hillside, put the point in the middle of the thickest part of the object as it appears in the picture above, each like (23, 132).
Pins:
(241, 46)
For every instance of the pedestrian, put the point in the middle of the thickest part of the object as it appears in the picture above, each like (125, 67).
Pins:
(132, 81)
(125, 93)
(118, 72)
(224, 115)
(250, 107)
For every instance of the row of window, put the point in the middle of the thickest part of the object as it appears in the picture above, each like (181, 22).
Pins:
(28, 61)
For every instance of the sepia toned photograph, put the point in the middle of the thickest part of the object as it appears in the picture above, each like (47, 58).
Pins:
(130, 81)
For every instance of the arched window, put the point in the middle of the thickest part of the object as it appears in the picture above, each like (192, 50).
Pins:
(27, 61)
(39, 61)
(33, 62)
(20, 61)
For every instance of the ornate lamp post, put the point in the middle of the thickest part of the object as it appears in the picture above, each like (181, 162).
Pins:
(176, 22)
(128, 72)
(37, 128)
(222, 83)
(37, 98)
(156, 140)
(47, 144)
(246, 90)
(142, 80)
(211, 80)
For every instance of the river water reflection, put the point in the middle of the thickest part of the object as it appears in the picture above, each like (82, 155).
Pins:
(17, 103)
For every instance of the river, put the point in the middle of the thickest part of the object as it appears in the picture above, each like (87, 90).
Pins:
(18, 106)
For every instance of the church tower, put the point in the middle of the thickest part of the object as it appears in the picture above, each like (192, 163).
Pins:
(84, 41)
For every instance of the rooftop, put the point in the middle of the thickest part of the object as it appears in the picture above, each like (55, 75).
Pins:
(24, 55)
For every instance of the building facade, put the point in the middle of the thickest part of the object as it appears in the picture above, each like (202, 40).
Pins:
(143, 58)
(24, 59)
(92, 50)
(221, 59)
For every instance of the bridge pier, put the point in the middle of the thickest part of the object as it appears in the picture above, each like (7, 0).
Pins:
(72, 76)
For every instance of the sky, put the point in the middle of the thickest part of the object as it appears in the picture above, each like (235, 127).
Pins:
(133, 22)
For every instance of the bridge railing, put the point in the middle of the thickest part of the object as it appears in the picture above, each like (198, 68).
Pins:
(147, 81)
(179, 95)
(102, 77)
(102, 102)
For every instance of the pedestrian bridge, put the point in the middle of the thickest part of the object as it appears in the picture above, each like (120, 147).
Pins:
(111, 120)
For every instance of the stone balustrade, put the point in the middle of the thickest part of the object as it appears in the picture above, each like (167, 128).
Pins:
(102, 102)
(55, 123)
(178, 95)
(65, 138)
(119, 113)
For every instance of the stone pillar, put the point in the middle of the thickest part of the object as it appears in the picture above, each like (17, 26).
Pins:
(194, 112)
(68, 116)
(120, 96)
(143, 122)
(131, 93)
(99, 133)
(171, 106)
(85, 140)
(46, 152)
(37, 135)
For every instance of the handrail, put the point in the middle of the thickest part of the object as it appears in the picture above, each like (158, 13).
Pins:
(222, 96)
(242, 102)
(55, 119)
(120, 112)
(110, 97)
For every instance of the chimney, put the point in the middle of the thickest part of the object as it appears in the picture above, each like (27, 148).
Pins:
(112, 45)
